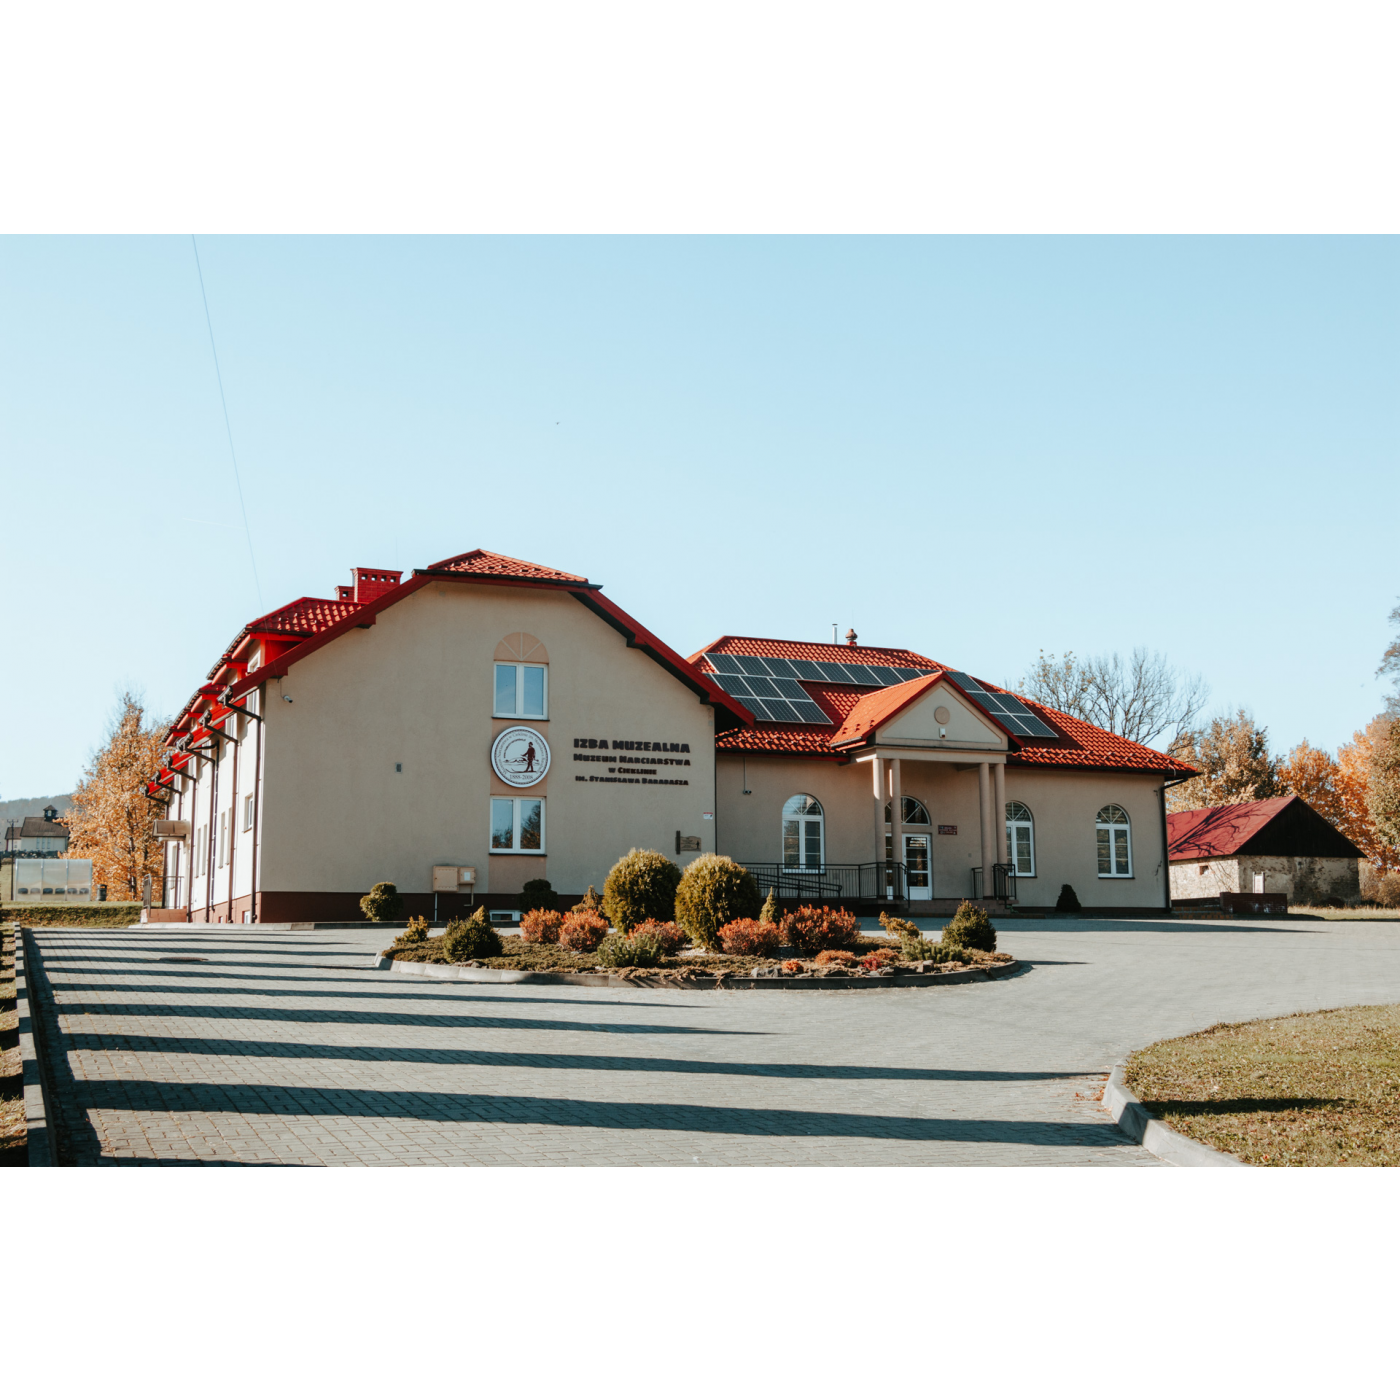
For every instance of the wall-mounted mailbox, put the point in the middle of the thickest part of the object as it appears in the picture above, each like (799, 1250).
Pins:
(447, 879)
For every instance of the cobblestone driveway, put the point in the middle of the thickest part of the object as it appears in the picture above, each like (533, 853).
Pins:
(282, 1048)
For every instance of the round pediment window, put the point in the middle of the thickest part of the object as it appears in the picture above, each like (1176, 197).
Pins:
(520, 756)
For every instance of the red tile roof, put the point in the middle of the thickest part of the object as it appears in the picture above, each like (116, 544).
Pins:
(1210, 832)
(483, 564)
(303, 618)
(813, 651)
(1085, 745)
(876, 707)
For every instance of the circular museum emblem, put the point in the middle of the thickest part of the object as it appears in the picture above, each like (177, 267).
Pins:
(520, 756)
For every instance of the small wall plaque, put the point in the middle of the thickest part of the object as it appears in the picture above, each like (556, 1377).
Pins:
(686, 843)
(947, 831)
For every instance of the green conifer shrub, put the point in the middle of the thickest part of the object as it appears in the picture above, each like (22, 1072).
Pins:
(590, 901)
(468, 939)
(770, 913)
(537, 894)
(1068, 902)
(971, 927)
(641, 886)
(416, 932)
(383, 903)
(640, 950)
(715, 891)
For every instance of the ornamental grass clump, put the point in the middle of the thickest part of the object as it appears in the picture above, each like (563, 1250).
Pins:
(537, 894)
(715, 891)
(813, 929)
(638, 950)
(671, 937)
(641, 886)
(749, 938)
(541, 926)
(971, 927)
(382, 903)
(583, 932)
(467, 940)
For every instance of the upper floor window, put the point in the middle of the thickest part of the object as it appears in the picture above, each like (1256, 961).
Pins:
(803, 832)
(522, 691)
(1115, 843)
(1020, 838)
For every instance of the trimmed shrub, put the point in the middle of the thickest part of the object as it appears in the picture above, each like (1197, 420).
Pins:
(971, 927)
(583, 932)
(770, 913)
(715, 891)
(416, 932)
(641, 886)
(590, 901)
(913, 947)
(671, 937)
(639, 950)
(792, 967)
(382, 903)
(469, 939)
(1068, 902)
(878, 958)
(537, 894)
(749, 938)
(541, 926)
(836, 957)
(813, 929)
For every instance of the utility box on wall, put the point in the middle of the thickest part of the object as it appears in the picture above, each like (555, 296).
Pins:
(448, 879)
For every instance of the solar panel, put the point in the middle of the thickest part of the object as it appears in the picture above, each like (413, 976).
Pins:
(763, 687)
(783, 710)
(831, 671)
(757, 666)
(780, 666)
(808, 670)
(790, 690)
(1011, 711)
(735, 685)
(810, 713)
(864, 675)
(759, 708)
(888, 675)
(725, 665)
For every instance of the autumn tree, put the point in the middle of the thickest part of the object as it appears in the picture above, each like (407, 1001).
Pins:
(1312, 774)
(1390, 665)
(111, 817)
(1383, 779)
(1143, 698)
(1232, 753)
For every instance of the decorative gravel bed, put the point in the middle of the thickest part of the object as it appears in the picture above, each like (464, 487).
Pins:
(1319, 1089)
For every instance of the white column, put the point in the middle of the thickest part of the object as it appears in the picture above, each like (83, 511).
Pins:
(877, 773)
(896, 810)
(999, 816)
(984, 800)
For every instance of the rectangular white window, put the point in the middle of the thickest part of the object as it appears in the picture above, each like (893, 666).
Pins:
(522, 692)
(223, 839)
(517, 824)
(248, 812)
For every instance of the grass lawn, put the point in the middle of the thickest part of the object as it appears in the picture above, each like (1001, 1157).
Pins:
(11, 1067)
(1320, 1089)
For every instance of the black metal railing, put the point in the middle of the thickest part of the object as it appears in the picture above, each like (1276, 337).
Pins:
(1003, 883)
(876, 882)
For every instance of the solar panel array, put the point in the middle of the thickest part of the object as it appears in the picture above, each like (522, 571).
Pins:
(769, 685)
(1009, 711)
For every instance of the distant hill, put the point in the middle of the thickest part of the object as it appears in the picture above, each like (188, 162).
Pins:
(34, 806)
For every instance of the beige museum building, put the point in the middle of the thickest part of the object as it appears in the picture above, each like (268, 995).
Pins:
(488, 721)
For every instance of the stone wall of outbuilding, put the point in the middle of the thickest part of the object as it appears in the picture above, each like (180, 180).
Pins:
(1304, 879)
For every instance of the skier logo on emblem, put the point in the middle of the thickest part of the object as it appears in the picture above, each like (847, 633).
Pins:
(520, 756)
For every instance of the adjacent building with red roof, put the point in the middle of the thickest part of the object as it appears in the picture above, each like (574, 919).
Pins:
(1281, 846)
(486, 721)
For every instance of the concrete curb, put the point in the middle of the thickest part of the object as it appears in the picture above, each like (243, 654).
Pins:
(1161, 1141)
(39, 1138)
(453, 973)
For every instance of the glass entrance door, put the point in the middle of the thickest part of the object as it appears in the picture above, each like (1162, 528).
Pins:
(918, 866)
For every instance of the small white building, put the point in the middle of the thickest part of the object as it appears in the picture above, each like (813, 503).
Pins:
(1277, 847)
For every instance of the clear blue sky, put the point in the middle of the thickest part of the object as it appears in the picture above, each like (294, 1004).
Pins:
(975, 447)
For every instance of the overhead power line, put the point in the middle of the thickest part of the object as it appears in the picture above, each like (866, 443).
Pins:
(228, 427)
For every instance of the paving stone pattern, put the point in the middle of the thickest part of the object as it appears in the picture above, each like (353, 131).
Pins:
(283, 1048)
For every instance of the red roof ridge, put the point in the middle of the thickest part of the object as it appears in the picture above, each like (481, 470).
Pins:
(731, 644)
(881, 706)
(482, 563)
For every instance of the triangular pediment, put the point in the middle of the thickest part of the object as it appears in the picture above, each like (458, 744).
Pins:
(941, 716)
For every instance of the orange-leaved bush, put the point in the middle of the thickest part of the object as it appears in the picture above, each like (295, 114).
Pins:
(813, 929)
(541, 926)
(671, 937)
(835, 957)
(582, 932)
(749, 938)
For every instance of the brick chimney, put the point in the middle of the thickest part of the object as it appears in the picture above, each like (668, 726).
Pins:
(851, 637)
(373, 583)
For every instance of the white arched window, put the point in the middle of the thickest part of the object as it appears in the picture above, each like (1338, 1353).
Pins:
(1020, 838)
(804, 834)
(912, 812)
(1115, 843)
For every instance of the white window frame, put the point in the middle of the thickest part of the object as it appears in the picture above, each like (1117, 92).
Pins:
(1028, 822)
(515, 847)
(1112, 827)
(248, 812)
(223, 840)
(819, 816)
(520, 668)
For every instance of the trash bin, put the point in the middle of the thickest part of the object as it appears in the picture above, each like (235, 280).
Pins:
(102, 892)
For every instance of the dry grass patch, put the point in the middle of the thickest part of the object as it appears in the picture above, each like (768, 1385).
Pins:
(104, 914)
(1320, 911)
(1320, 1089)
